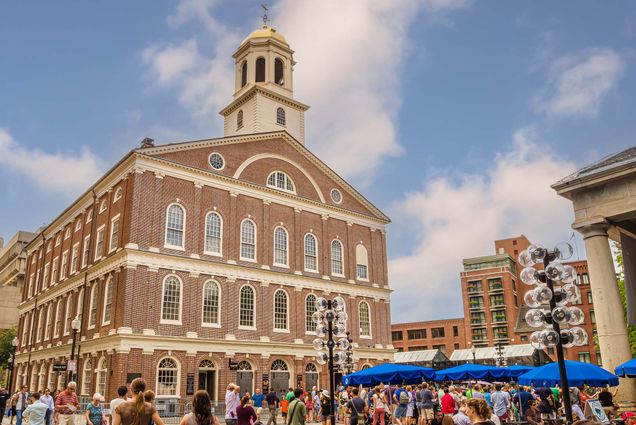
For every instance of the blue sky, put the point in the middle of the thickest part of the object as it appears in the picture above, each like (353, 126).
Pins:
(453, 116)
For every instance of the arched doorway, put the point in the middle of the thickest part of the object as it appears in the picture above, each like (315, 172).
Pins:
(207, 377)
(311, 376)
(279, 377)
(245, 377)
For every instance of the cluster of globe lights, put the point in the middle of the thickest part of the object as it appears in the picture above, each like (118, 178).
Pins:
(337, 316)
(536, 298)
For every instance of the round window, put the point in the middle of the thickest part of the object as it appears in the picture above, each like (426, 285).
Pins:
(336, 196)
(216, 161)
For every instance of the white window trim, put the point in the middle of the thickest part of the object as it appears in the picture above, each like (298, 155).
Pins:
(305, 314)
(218, 312)
(362, 279)
(55, 271)
(286, 264)
(109, 282)
(96, 255)
(67, 233)
(370, 336)
(275, 329)
(110, 237)
(342, 259)
(74, 270)
(178, 390)
(90, 308)
(47, 322)
(103, 206)
(67, 313)
(222, 158)
(78, 224)
(251, 260)
(118, 194)
(165, 241)
(40, 330)
(58, 239)
(278, 188)
(56, 331)
(304, 254)
(243, 327)
(163, 289)
(89, 216)
(205, 228)
(63, 263)
(87, 240)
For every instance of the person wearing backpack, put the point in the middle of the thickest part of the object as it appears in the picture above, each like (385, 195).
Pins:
(401, 397)
(296, 409)
(357, 408)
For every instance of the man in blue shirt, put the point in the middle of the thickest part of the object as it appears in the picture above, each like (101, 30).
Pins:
(257, 401)
(522, 400)
(35, 412)
(272, 405)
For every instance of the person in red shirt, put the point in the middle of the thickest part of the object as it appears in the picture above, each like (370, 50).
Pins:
(448, 403)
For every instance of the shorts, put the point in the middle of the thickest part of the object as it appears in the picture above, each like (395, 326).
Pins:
(427, 413)
(259, 410)
(400, 411)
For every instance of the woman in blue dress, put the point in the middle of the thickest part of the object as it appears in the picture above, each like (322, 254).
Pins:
(94, 412)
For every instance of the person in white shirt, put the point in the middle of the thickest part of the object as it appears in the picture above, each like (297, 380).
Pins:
(232, 401)
(22, 401)
(50, 403)
(36, 411)
(121, 392)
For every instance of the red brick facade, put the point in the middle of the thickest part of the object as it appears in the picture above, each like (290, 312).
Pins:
(445, 335)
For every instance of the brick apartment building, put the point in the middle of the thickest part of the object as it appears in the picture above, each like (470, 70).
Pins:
(184, 257)
(444, 335)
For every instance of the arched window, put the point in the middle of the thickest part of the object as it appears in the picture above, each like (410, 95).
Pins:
(281, 315)
(311, 368)
(80, 302)
(57, 327)
(171, 302)
(280, 247)
(102, 206)
(207, 365)
(246, 307)
(42, 376)
(365, 319)
(279, 365)
(213, 233)
(311, 253)
(244, 74)
(49, 322)
(175, 226)
(248, 240)
(211, 303)
(92, 317)
(239, 119)
(118, 194)
(41, 326)
(50, 382)
(280, 180)
(167, 376)
(310, 309)
(336, 258)
(244, 365)
(108, 302)
(100, 384)
(67, 313)
(280, 116)
(279, 72)
(260, 70)
(362, 262)
(87, 377)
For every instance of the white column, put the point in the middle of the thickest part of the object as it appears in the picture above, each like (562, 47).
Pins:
(608, 307)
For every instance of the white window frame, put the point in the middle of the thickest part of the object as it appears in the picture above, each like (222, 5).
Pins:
(118, 194)
(80, 304)
(89, 216)
(112, 248)
(370, 335)
(86, 250)
(74, 258)
(78, 224)
(255, 243)
(286, 328)
(163, 290)
(67, 233)
(88, 373)
(286, 178)
(45, 278)
(178, 378)
(63, 265)
(217, 323)
(308, 317)
(183, 231)
(49, 319)
(101, 375)
(246, 327)
(57, 319)
(54, 271)
(93, 305)
(58, 240)
(100, 232)
(102, 206)
(276, 263)
(359, 263)
(31, 285)
(305, 253)
(342, 262)
(67, 313)
(108, 293)
(205, 235)
(40, 332)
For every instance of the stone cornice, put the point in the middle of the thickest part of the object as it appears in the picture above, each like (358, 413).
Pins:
(256, 89)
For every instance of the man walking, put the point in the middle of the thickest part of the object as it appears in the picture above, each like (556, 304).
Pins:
(272, 405)
(257, 402)
(500, 403)
(21, 403)
(297, 410)
(357, 408)
(66, 404)
(4, 396)
(232, 401)
(426, 405)
(35, 413)
(47, 399)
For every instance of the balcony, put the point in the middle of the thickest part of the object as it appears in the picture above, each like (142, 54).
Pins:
(499, 318)
(498, 306)
(475, 289)
(475, 306)
(478, 323)
(496, 287)
(501, 337)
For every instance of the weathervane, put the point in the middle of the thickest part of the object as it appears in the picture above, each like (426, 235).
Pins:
(265, 18)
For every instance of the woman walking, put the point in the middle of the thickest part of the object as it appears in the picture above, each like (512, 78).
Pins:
(94, 412)
(379, 406)
(478, 412)
(201, 411)
(245, 414)
(136, 411)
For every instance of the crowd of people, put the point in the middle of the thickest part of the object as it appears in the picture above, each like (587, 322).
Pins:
(422, 404)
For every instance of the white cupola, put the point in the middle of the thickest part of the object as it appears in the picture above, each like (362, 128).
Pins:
(263, 90)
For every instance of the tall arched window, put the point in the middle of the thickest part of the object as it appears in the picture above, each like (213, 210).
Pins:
(41, 326)
(100, 384)
(92, 316)
(171, 302)
(68, 313)
(108, 302)
(365, 319)
(248, 240)
(279, 72)
(310, 309)
(49, 321)
(246, 307)
(280, 116)
(336, 258)
(280, 180)
(260, 70)
(175, 226)
(244, 74)
(311, 253)
(281, 314)
(57, 327)
(42, 376)
(50, 382)
(362, 262)
(239, 119)
(211, 303)
(167, 376)
(213, 233)
(80, 302)
(280, 247)
(87, 377)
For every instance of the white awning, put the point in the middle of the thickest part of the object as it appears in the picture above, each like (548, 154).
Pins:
(415, 356)
(489, 353)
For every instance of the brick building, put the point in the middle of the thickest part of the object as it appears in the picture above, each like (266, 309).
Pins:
(184, 257)
(12, 268)
(444, 335)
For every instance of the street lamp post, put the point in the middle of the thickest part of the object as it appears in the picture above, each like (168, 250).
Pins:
(14, 344)
(473, 350)
(331, 320)
(556, 298)
(75, 326)
(501, 359)
(348, 365)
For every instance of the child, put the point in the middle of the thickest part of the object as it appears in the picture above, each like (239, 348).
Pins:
(284, 404)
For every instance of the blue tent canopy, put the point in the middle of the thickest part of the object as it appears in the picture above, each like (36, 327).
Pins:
(389, 373)
(471, 371)
(515, 371)
(627, 369)
(579, 373)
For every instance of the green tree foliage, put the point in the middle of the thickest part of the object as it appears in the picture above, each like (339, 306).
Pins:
(620, 277)
(6, 349)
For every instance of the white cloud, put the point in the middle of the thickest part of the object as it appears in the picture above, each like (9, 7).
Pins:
(460, 216)
(578, 84)
(61, 173)
(350, 60)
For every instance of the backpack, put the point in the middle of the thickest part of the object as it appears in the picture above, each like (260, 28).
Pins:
(404, 397)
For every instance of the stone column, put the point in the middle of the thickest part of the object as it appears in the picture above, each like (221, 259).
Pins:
(610, 320)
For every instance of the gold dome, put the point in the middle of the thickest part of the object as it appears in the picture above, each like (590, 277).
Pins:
(266, 32)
